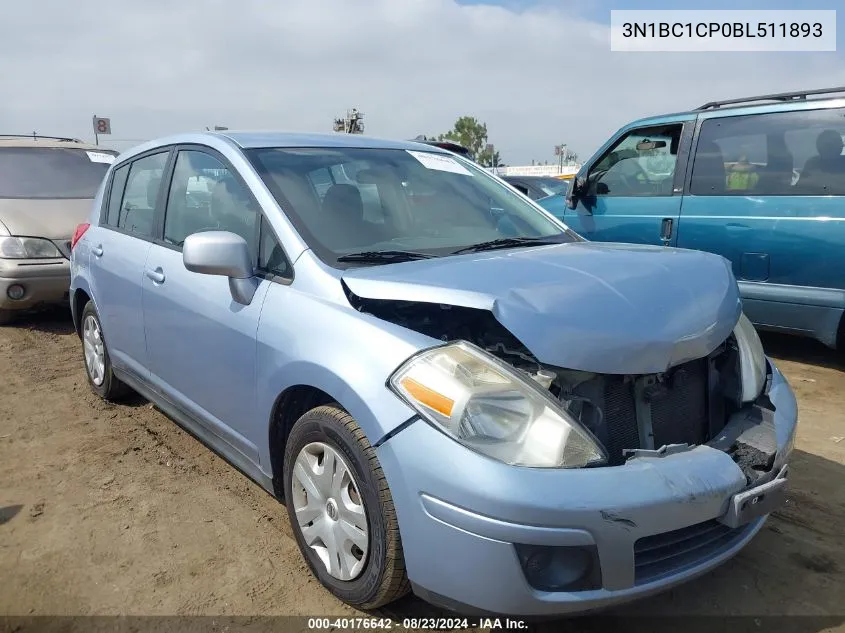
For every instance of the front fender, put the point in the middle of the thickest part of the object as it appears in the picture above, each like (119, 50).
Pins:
(307, 341)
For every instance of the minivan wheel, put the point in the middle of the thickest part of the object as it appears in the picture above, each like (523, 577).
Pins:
(341, 509)
(6, 316)
(97, 362)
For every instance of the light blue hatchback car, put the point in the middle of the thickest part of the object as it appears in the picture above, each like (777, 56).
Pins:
(453, 393)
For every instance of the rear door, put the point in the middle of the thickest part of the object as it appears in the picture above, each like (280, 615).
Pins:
(634, 188)
(119, 248)
(767, 192)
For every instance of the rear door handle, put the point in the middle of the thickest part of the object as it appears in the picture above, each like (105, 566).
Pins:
(156, 275)
(98, 250)
(666, 231)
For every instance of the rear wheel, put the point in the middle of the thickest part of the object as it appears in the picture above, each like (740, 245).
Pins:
(98, 367)
(341, 510)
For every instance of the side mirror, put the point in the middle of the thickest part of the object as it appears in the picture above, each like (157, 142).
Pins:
(575, 192)
(224, 254)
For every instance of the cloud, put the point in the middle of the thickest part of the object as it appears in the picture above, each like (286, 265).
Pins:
(538, 76)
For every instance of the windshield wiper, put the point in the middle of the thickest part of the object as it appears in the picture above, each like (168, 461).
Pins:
(383, 256)
(507, 242)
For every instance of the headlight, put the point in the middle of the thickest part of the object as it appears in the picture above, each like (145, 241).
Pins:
(27, 248)
(752, 359)
(485, 405)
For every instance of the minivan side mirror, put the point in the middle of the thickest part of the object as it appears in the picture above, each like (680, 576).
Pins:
(225, 254)
(576, 192)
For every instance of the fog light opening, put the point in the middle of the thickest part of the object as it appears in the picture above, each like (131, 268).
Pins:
(560, 568)
(15, 292)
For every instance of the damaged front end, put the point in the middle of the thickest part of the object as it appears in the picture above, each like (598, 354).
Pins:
(693, 403)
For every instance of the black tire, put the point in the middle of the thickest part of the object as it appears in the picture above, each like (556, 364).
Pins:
(110, 388)
(6, 316)
(383, 578)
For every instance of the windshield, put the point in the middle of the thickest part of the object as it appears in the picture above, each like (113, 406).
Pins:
(51, 173)
(352, 200)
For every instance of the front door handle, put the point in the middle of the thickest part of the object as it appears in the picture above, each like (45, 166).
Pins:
(156, 275)
(666, 231)
(98, 250)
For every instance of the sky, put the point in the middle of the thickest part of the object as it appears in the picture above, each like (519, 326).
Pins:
(538, 72)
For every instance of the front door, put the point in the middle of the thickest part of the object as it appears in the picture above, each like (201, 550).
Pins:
(633, 190)
(201, 343)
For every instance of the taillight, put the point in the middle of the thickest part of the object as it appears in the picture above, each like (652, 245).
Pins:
(78, 233)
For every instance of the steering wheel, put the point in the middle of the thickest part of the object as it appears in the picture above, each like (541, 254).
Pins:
(626, 173)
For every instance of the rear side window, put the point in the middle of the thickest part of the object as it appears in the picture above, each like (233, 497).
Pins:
(778, 154)
(134, 194)
(118, 184)
(52, 173)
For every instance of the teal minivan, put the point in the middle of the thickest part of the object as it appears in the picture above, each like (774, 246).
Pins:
(760, 181)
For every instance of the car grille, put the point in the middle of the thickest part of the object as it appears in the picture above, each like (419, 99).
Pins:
(620, 414)
(681, 416)
(678, 410)
(672, 552)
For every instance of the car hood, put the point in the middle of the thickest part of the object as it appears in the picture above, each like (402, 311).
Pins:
(605, 308)
(53, 219)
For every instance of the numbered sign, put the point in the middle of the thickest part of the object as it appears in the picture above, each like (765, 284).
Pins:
(102, 125)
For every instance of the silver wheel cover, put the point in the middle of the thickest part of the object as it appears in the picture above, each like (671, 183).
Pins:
(329, 510)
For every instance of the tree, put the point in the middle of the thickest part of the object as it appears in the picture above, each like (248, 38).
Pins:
(490, 159)
(472, 134)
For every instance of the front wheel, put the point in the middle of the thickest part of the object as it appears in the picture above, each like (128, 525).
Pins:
(341, 510)
(6, 316)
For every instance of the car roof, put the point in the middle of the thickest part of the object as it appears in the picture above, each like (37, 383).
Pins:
(259, 139)
(759, 104)
(50, 143)
(253, 140)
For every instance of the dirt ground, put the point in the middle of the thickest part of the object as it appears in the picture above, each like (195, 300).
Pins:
(115, 510)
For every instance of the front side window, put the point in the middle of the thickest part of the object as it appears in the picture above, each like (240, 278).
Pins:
(52, 173)
(778, 154)
(205, 196)
(394, 200)
(642, 163)
(140, 196)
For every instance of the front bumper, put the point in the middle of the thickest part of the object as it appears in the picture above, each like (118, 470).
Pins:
(44, 282)
(653, 522)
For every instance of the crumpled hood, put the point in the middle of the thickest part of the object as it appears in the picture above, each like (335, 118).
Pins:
(605, 308)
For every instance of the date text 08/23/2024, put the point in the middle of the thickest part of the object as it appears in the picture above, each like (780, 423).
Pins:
(437, 624)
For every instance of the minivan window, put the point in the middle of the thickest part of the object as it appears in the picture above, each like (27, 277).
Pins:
(228, 206)
(52, 173)
(428, 202)
(778, 154)
(642, 163)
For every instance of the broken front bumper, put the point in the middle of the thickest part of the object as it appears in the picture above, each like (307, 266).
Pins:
(475, 532)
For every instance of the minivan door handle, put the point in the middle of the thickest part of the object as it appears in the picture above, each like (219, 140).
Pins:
(156, 275)
(98, 250)
(666, 231)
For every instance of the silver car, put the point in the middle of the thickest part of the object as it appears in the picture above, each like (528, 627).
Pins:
(47, 186)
